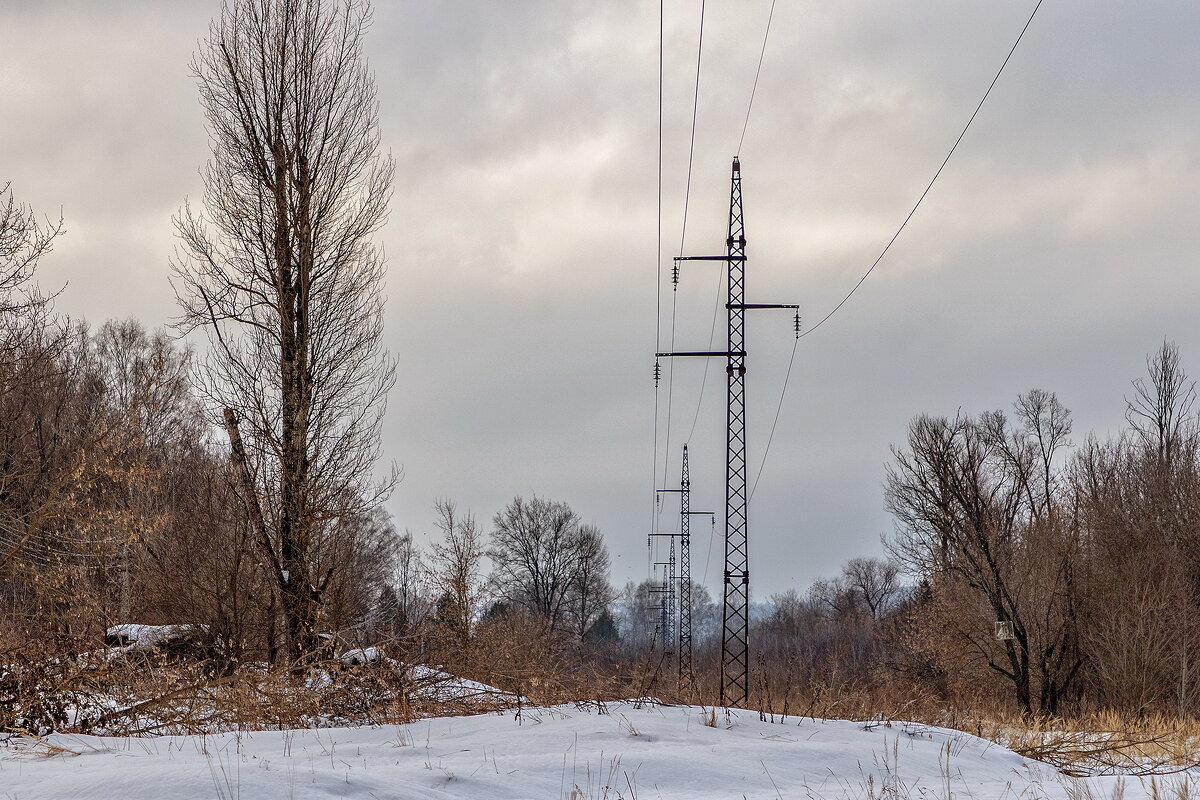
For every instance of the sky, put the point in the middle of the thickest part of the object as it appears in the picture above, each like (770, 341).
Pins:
(1055, 251)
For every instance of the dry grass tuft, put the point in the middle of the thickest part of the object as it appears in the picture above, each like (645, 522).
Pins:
(1096, 744)
(1102, 743)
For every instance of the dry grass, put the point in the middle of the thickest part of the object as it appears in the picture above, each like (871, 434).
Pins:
(147, 696)
(1095, 744)
(1103, 743)
(143, 696)
(44, 690)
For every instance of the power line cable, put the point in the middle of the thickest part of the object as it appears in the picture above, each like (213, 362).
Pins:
(708, 556)
(774, 422)
(32, 539)
(717, 304)
(932, 180)
(687, 192)
(757, 72)
(670, 400)
(791, 360)
(683, 236)
(658, 241)
(658, 281)
(712, 334)
(21, 546)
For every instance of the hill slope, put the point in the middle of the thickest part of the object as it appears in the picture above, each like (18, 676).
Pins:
(621, 750)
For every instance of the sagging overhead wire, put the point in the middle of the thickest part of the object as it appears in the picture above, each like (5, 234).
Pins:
(683, 234)
(741, 140)
(932, 180)
(757, 72)
(687, 192)
(712, 334)
(895, 236)
(778, 408)
(658, 282)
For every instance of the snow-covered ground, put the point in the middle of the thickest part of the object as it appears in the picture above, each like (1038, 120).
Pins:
(621, 750)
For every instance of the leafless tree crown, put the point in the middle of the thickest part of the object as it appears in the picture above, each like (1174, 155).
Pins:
(281, 270)
(550, 564)
(1161, 411)
(24, 239)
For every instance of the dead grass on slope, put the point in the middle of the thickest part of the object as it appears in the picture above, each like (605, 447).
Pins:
(1098, 743)
(1103, 743)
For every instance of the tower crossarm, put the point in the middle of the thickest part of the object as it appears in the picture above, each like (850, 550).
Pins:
(704, 354)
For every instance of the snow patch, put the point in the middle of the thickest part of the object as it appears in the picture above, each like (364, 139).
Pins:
(595, 751)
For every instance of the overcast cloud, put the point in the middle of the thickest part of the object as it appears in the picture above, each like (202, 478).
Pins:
(1057, 249)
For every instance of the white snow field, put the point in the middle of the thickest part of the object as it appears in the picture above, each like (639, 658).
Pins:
(621, 750)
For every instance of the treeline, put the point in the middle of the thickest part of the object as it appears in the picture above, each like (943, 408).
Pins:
(139, 483)
(1025, 570)
(1087, 556)
(530, 599)
(119, 499)
(120, 505)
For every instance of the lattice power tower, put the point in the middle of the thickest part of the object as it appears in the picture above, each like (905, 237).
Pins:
(735, 644)
(683, 597)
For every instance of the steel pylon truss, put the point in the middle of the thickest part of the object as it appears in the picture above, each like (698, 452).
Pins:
(679, 590)
(666, 603)
(685, 575)
(735, 644)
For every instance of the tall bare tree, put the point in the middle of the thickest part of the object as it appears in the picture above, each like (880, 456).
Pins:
(404, 603)
(1161, 412)
(549, 564)
(590, 593)
(875, 581)
(29, 337)
(976, 501)
(1140, 493)
(457, 570)
(282, 272)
